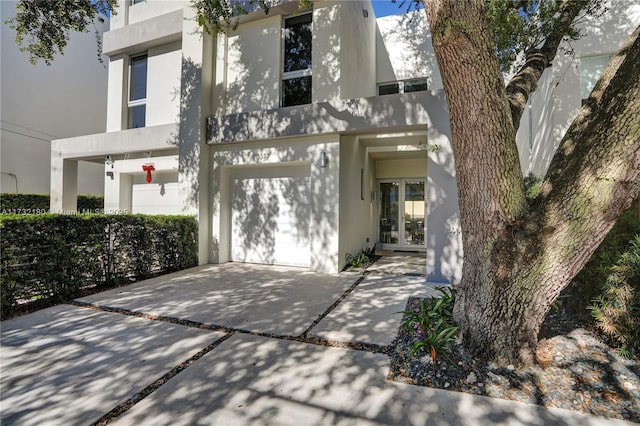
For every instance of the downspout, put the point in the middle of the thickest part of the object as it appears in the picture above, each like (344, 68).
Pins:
(14, 177)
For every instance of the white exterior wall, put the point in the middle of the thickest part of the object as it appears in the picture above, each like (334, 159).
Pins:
(123, 174)
(343, 50)
(249, 60)
(128, 13)
(355, 212)
(41, 103)
(404, 49)
(253, 65)
(407, 168)
(325, 184)
(117, 93)
(444, 235)
(163, 84)
(557, 100)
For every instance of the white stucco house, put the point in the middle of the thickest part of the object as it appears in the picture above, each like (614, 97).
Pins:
(296, 138)
(40, 103)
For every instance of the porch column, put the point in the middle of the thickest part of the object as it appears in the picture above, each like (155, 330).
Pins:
(194, 162)
(64, 185)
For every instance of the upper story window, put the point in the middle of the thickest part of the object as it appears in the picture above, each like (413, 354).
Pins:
(590, 70)
(137, 104)
(405, 86)
(296, 70)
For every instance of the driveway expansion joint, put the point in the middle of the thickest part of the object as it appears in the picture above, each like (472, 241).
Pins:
(335, 304)
(312, 340)
(121, 408)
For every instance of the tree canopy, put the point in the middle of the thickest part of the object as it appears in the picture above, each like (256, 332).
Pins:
(43, 27)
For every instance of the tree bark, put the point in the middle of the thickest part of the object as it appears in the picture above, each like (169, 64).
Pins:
(516, 260)
(525, 81)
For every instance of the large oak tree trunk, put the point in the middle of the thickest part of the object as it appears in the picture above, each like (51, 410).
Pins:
(517, 258)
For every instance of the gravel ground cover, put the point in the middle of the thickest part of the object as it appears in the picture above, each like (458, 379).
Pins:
(575, 371)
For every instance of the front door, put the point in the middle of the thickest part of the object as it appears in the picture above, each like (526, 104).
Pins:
(402, 214)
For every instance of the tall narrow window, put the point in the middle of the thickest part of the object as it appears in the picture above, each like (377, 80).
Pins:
(590, 70)
(138, 92)
(296, 71)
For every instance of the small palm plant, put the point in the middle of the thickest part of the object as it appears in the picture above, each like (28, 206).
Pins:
(431, 319)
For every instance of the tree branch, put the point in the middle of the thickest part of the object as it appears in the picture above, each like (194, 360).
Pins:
(595, 173)
(525, 81)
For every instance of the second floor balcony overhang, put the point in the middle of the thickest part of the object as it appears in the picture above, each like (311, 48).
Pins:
(408, 111)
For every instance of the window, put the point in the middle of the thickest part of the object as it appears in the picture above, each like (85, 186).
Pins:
(590, 70)
(137, 92)
(389, 89)
(296, 70)
(404, 86)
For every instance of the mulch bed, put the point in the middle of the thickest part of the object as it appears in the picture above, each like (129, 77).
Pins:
(575, 371)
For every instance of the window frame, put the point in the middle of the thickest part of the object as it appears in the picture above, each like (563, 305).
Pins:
(290, 75)
(590, 59)
(401, 85)
(135, 103)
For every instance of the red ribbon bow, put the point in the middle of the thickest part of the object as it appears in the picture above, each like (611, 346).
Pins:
(148, 168)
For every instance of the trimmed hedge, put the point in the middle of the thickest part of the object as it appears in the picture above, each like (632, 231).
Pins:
(39, 203)
(55, 257)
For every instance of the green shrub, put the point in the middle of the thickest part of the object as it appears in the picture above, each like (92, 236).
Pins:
(24, 203)
(617, 309)
(362, 259)
(56, 256)
(39, 203)
(431, 320)
(90, 203)
(589, 282)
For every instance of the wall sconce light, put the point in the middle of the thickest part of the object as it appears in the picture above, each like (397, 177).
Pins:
(365, 13)
(110, 174)
(373, 195)
(324, 159)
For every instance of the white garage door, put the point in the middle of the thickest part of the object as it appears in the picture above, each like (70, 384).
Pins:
(155, 198)
(270, 220)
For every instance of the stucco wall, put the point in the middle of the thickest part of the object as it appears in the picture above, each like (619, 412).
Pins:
(412, 167)
(404, 49)
(249, 59)
(325, 181)
(355, 225)
(125, 173)
(128, 13)
(557, 100)
(151, 8)
(253, 66)
(343, 50)
(41, 103)
(163, 84)
(164, 67)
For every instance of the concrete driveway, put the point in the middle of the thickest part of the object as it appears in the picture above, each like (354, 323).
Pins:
(231, 345)
(265, 299)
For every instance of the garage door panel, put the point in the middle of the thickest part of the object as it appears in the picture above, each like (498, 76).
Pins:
(270, 221)
(153, 198)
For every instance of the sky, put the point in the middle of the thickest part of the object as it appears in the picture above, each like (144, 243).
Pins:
(386, 7)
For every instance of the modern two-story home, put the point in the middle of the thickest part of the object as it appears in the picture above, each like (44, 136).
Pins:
(296, 138)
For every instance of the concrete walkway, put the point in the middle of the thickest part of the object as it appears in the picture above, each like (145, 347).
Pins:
(232, 345)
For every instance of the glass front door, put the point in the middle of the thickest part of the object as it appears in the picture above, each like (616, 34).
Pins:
(402, 213)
